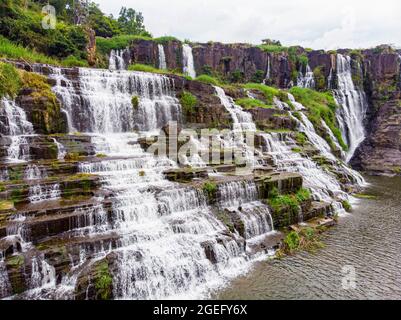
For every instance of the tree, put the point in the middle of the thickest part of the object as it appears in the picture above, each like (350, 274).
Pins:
(271, 42)
(131, 22)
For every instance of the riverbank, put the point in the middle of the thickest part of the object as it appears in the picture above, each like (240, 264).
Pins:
(364, 241)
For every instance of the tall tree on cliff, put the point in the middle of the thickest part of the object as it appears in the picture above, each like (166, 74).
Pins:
(132, 22)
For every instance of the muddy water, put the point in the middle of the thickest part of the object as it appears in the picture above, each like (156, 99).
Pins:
(367, 242)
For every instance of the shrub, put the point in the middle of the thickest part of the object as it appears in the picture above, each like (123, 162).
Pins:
(210, 189)
(103, 281)
(105, 45)
(258, 77)
(165, 39)
(73, 61)
(347, 206)
(135, 102)
(10, 81)
(237, 76)
(320, 79)
(303, 195)
(188, 102)
(292, 241)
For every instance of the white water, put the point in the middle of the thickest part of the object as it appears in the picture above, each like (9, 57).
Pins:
(14, 124)
(353, 106)
(162, 57)
(61, 151)
(189, 66)
(307, 79)
(39, 193)
(104, 102)
(5, 287)
(268, 71)
(117, 60)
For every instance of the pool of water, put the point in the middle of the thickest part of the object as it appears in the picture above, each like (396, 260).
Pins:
(361, 258)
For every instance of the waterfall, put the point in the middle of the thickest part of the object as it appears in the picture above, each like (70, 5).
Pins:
(189, 65)
(61, 151)
(33, 172)
(5, 286)
(104, 101)
(352, 106)
(39, 193)
(162, 57)
(14, 124)
(307, 79)
(118, 58)
(268, 71)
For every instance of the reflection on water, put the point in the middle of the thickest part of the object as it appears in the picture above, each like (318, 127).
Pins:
(369, 240)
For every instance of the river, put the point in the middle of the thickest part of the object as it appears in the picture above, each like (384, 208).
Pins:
(361, 258)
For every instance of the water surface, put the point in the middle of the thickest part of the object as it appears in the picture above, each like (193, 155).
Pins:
(368, 240)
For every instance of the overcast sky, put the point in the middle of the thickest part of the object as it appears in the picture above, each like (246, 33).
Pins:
(316, 24)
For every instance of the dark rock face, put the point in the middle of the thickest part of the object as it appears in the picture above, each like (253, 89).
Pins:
(381, 151)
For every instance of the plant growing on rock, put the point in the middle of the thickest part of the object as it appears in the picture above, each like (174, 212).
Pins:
(188, 102)
(10, 81)
(135, 102)
(210, 189)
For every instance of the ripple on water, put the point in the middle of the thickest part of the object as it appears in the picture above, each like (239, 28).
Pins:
(367, 239)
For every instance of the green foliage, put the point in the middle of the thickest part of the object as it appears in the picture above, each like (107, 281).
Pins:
(135, 102)
(249, 103)
(292, 241)
(165, 39)
(10, 81)
(14, 51)
(103, 281)
(210, 189)
(303, 60)
(73, 61)
(132, 22)
(269, 92)
(6, 205)
(347, 206)
(105, 45)
(144, 68)
(273, 48)
(321, 105)
(188, 102)
(301, 138)
(237, 76)
(258, 77)
(320, 79)
(208, 79)
(303, 195)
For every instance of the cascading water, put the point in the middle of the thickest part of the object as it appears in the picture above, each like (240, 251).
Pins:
(61, 151)
(307, 79)
(105, 101)
(353, 106)
(118, 59)
(268, 71)
(189, 65)
(162, 57)
(14, 124)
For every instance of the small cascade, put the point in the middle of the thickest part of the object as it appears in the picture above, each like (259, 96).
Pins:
(4, 175)
(306, 79)
(33, 172)
(242, 123)
(43, 275)
(61, 150)
(353, 106)
(5, 286)
(162, 57)
(334, 139)
(104, 103)
(14, 124)
(40, 193)
(118, 59)
(189, 65)
(241, 198)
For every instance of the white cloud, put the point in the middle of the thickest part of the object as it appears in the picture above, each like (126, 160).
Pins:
(310, 23)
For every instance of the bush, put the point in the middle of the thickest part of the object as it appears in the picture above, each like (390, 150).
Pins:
(210, 189)
(292, 241)
(165, 39)
(188, 102)
(73, 61)
(135, 102)
(10, 81)
(258, 77)
(144, 68)
(347, 206)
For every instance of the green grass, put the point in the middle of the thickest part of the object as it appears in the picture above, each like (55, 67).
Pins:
(105, 45)
(268, 92)
(320, 105)
(249, 103)
(208, 79)
(273, 48)
(365, 196)
(165, 39)
(14, 51)
(73, 61)
(210, 189)
(145, 68)
(6, 205)
(10, 80)
(347, 206)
